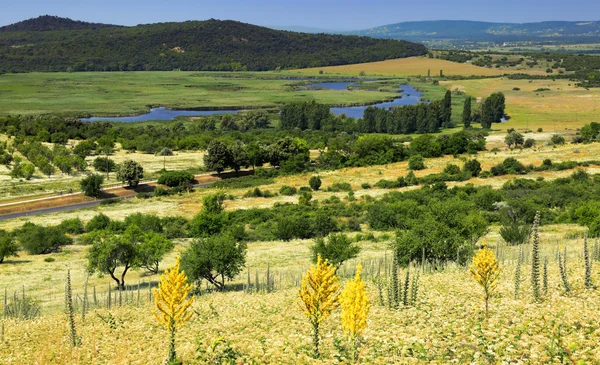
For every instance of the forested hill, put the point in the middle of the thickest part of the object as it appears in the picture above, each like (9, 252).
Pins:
(49, 22)
(193, 45)
(486, 31)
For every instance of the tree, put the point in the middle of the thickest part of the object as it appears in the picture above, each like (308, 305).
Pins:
(446, 110)
(8, 246)
(557, 139)
(492, 109)
(319, 296)
(98, 222)
(104, 164)
(92, 185)
(164, 152)
(64, 163)
(111, 251)
(239, 157)
(218, 157)
(172, 303)
(152, 250)
(315, 182)
(514, 138)
(130, 172)
(336, 250)
(214, 259)
(466, 115)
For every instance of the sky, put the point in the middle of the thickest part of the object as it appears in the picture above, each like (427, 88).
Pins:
(324, 14)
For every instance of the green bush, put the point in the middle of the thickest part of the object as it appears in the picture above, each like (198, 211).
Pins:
(339, 187)
(315, 182)
(451, 169)
(288, 190)
(558, 139)
(257, 193)
(244, 182)
(72, 226)
(365, 186)
(98, 222)
(175, 178)
(416, 162)
(146, 222)
(508, 166)
(337, 249)
(38, 240)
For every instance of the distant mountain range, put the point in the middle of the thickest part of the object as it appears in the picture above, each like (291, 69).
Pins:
(465, 30)
(472, 30)
(50, 43)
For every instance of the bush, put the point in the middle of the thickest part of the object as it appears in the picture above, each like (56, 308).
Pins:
(175, 178)
(72, 226)
(473, 167)
(8, 246)
(315, 183)
(509, 166)
(324, 224)
(49, 259)
(558, 139)
(365, 186)
(304, 198)
(529, 143)
(416, 162)
(451, 169)
(175, 227)
(245, 181)
(257, 193)
(99, 222)
(38, 240)
(339, 187)
(288, 190)
(146, 222)
(288, 228)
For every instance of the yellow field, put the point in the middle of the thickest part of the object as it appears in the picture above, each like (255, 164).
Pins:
(413, 66)
(562, 109)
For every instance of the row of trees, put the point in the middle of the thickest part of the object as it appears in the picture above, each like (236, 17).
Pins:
(491, 110)
(419, 118)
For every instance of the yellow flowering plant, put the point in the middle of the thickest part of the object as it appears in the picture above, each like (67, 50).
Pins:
(172, 303)
(355, 308)
(485, 269)
(319, 296)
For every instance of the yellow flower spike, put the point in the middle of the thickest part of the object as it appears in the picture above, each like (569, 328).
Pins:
(485, 269)
(355, 308)
(172, 303)
(319, 296)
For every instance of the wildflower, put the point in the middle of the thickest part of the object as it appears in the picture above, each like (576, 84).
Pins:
(486, 271)
(355, 308)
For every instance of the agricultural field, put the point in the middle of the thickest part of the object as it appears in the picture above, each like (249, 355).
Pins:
(558, 106)
(413, 66)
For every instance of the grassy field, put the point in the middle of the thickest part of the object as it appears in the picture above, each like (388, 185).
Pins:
(131, 93)
(414, 66)
(562, 108)
(447, 324)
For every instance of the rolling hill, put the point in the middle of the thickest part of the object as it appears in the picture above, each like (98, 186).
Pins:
(59, 44)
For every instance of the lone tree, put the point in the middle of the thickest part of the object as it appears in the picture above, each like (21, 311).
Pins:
(111, 251)
(8, 246)
(336, 250)
(130, 172)
(466, 115)
(92, 185)
(164, 152)
(214, 259)
(218, 157)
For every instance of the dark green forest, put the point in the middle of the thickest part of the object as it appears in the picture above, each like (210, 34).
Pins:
(211, 45)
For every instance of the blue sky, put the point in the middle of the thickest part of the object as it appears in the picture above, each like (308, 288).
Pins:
(327, 14)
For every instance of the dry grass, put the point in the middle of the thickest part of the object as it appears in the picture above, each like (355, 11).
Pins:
(413, 66)
(446, 326)
(562, 109)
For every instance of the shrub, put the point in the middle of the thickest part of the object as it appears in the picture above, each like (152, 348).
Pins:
(257, 193)
(288, 190)
(416, 162)
(49, 259)
(38, 240)
(339, 187)
(558, 139)
(146, 222)
(99, 222)
(315, 183)
(540, 130)
(304, 198)
(72, 226)
(324, 224)
(245, 181)
(529, 143)
(175, 227)
(473, 167)
(365, 186)
(288, 228)
(452, 169)
(8, 246)
(175, 178)
(509, 166)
